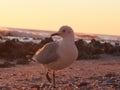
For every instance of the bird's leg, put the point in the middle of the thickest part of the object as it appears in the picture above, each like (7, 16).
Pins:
(54, 79)
(48, 77)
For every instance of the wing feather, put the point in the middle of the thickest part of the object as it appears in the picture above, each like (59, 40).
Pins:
(47, 54)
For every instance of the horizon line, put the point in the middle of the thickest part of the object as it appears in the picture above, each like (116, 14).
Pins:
(36, 29)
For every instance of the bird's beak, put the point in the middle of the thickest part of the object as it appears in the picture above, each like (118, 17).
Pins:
(54, 34)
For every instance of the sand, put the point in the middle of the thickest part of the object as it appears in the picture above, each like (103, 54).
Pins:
(34, 73)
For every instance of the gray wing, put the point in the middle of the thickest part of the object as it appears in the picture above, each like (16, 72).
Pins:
(47, 54)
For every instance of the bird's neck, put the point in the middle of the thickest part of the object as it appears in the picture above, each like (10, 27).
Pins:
(69, 40)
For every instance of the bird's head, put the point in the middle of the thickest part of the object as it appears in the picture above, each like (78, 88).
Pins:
(65, 31)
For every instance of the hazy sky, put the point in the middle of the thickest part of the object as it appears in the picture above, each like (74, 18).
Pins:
(87, 16)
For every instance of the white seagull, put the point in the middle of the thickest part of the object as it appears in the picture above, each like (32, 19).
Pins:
(58, 55)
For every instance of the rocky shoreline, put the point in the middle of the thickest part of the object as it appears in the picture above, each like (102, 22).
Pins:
(97, 68)
(22, 52)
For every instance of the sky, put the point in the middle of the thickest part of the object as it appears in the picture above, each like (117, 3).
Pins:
(84, 16)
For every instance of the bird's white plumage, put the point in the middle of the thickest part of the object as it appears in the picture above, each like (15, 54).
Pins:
(47, 54)
(66, 50)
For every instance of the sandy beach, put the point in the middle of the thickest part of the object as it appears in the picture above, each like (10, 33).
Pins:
(26, 76)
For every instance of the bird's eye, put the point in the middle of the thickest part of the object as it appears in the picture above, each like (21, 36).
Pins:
(63, 30)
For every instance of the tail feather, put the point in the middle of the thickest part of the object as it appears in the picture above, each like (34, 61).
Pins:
(34, 59)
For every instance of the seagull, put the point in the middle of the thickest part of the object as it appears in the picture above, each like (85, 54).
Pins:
(58, 55)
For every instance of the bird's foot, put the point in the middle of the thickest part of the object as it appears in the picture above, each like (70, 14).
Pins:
(48, 77)
(54, 84)
(54, 87)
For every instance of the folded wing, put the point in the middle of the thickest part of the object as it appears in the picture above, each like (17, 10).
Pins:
(47, 54)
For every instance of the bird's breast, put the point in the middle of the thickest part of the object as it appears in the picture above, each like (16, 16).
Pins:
(68, 52)
(67, 55)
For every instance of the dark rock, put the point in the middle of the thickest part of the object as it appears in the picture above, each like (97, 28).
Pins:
(22, 61)
(110, 75)
(6, 65)
(86, 51)
(14, 49)
(83, 84)
(107, 48)
(35, 86)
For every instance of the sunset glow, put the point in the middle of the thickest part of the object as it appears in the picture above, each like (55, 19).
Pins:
(85, 16)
